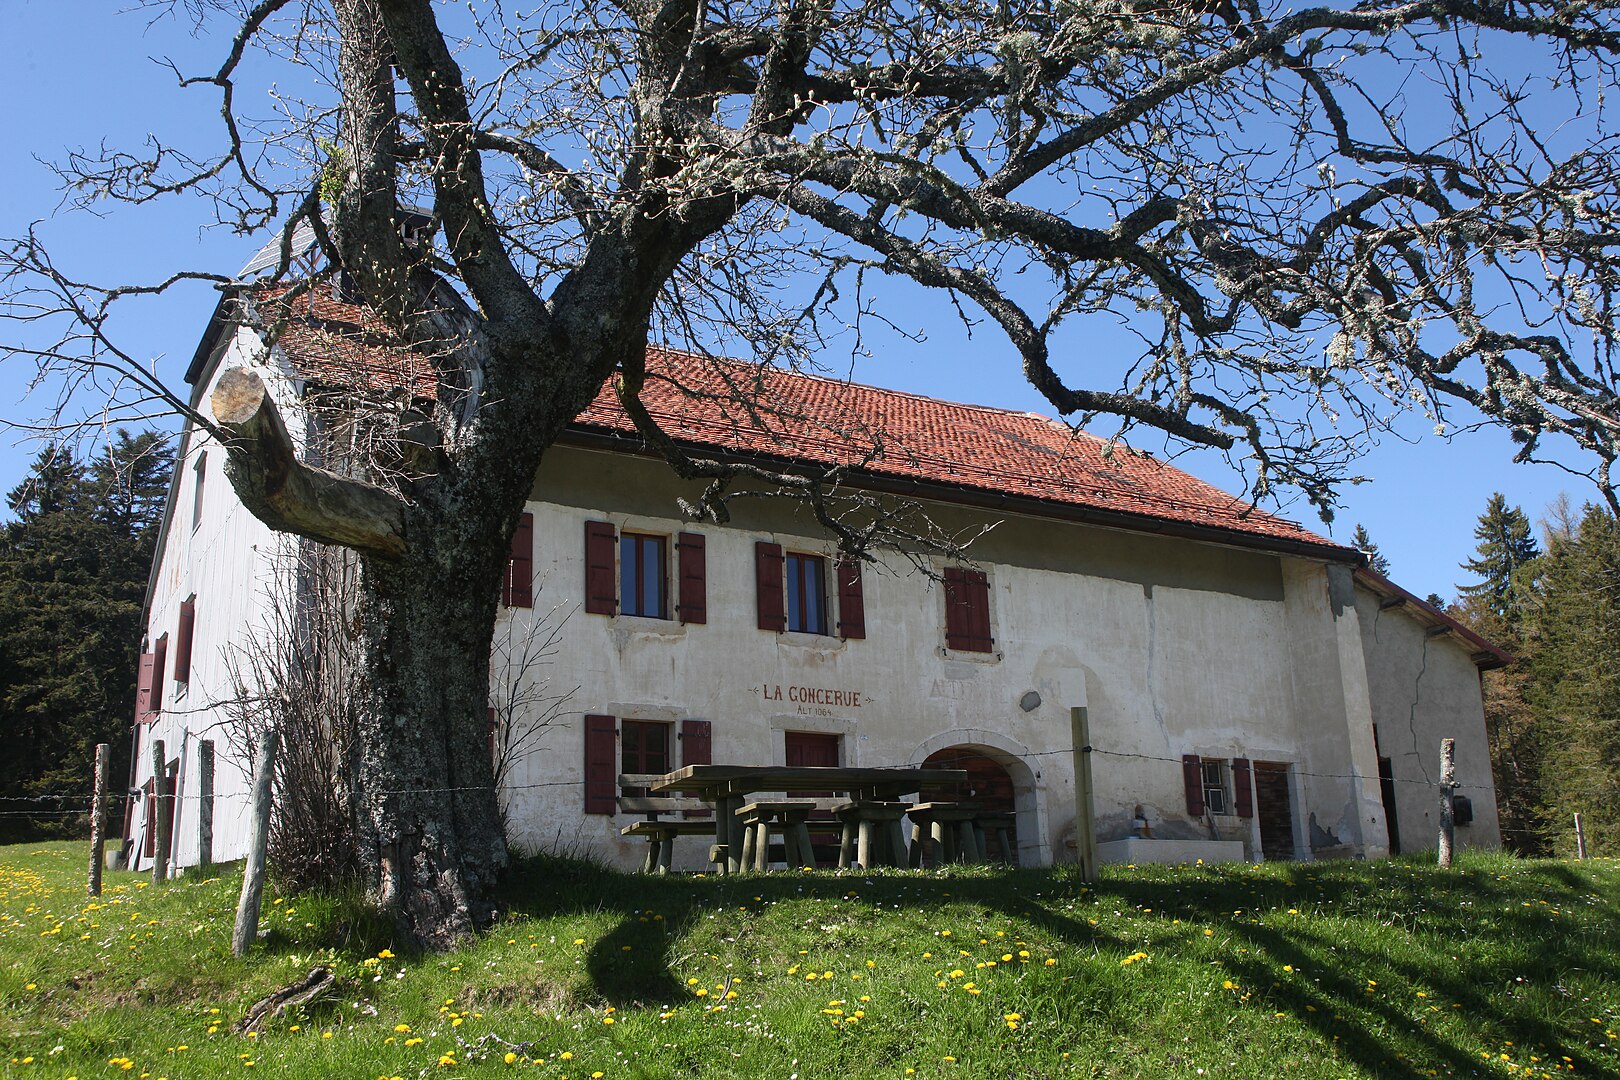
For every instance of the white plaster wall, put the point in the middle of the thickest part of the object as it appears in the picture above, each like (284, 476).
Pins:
(1200, 663)
(231, 562)
(1426, 688)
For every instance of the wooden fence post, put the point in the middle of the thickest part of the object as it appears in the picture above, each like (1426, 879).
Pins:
(1448, 785)
(205, 802)
(247, 908)
(98, 816)
(1085, 826)
(162, 821)
(1580, 838)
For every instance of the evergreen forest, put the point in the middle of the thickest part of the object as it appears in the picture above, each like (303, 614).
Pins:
(74, 560)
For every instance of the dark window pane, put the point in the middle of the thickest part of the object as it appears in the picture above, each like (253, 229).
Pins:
(795, 590)
(815, 621)
(629, 575)
(642, 576)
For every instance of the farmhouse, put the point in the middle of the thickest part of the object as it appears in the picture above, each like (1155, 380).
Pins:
(1253, 691)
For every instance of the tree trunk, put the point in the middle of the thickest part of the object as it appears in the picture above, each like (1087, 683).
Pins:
(427, 823)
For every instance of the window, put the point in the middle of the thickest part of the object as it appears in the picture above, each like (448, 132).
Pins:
(967, 610)
(643, 748)
(806, 585)
(197, 476)
(160, 658)
(1207, 789)
(628, 574)
(1214, 781)
(792, 593)
(614, 747)
(182, 640)
(643, 582)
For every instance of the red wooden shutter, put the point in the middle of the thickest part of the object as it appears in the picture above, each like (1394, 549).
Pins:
(1242, 793)
(160, 656)
(1192, 778)
(851, 601)
(518, 590)
(697, 745)
(149, 844)
(697, 748)
(768, 576)
(182, 639)
(967, 610)
(692, 606)
(601, 764)
(143, 688)
(601, 568)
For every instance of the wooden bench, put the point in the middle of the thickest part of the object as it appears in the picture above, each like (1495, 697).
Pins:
(659, 833)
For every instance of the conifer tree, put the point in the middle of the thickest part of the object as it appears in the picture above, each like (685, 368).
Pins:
(1362, 541)
(1506, 562)
(1506, 547)
(1574, 684)
(73, 569)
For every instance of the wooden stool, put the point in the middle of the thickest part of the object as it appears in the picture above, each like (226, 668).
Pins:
(660, 837)
(784, 816)
(944, 831)
(872, 835)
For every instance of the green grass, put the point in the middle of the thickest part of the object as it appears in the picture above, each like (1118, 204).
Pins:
(1496, 968)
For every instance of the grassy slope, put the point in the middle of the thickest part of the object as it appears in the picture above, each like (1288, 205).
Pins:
(1498, 968)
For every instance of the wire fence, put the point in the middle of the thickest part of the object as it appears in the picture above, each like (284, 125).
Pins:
(83, 800)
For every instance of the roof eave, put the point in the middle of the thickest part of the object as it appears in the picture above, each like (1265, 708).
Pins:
(1486, 656)
(594, 436)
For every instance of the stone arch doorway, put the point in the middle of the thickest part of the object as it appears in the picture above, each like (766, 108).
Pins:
(1000, 775)
(989, 787)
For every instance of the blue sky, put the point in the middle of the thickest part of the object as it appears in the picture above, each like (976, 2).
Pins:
(81, 73)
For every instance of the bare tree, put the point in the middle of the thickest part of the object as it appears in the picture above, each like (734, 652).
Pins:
(1314, 219)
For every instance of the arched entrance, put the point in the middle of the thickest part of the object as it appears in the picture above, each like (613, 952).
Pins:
(989, 787)
(1027, 784)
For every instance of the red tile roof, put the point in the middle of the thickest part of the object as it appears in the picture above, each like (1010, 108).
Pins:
(732, 407)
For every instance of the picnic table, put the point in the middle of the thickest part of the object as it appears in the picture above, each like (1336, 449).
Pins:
(728, 787)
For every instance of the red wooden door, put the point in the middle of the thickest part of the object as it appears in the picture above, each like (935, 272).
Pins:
(813, 748)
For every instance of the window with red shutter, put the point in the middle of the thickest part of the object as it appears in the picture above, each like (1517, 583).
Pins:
(772, 603)
(143, 688)
(182, 639)
(601, 764)
(967, 610)
(601, 568)
(160, 656)
(518, 588)
(1192, 779)
(851, 600)
(1242, 792)
(693, 605)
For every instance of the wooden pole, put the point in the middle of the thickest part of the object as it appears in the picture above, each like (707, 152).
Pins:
(98, 816)
(1085, 825)
(1580, 838)
(205, 802)
(247, 908)
(1448, 785)
(162, 822)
